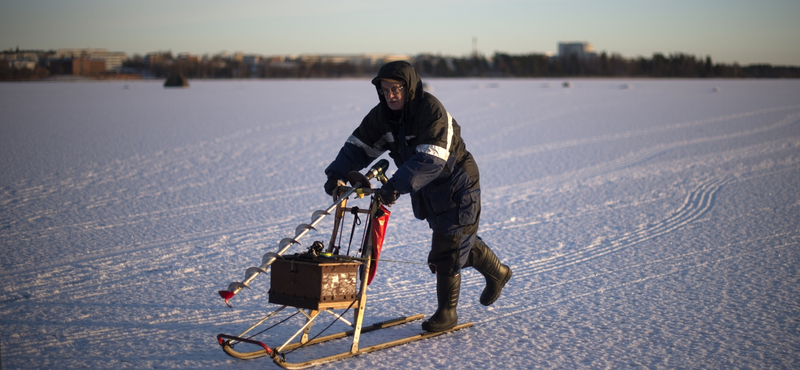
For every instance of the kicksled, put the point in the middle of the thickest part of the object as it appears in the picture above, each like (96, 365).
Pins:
(321, 281)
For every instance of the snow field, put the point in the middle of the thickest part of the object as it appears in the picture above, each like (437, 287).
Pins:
(650, 226)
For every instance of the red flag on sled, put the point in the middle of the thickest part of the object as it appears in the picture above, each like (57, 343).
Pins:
(378, 233)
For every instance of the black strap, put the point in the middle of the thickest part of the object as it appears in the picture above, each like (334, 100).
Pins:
(356, 222)
(402, 139)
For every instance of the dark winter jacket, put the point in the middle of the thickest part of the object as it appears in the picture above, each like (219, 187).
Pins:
(433, 164)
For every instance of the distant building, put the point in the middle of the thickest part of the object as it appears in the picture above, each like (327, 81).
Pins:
(23, 64)
(152, 59)
(90, 67)
(112, 60)
(189, 57)
(582, 50)
(22, 59)
(251, 59)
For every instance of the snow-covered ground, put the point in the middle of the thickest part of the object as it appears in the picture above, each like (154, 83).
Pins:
(649, 223)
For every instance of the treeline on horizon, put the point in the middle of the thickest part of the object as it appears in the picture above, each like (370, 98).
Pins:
(499, 65)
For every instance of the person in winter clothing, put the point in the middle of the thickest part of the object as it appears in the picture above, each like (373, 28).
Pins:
(441, 176)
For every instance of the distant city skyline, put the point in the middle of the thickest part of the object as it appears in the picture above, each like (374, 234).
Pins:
(734, 31)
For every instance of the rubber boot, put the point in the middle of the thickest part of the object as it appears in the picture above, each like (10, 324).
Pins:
(445, 317)
(482, 259)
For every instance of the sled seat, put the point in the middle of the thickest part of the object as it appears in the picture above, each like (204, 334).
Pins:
(315, 284)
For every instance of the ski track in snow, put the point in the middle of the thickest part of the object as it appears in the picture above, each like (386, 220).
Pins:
(696, 204)
(161, 237)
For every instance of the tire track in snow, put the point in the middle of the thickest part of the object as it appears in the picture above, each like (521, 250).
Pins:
(627, 135)
(710, 161)
(696, 204)
(676, 267)
(144, 173)
(517, 192)
(701, 197)
(163, 214)
(270, 227)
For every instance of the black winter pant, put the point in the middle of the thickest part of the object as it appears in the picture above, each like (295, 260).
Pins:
(450, 248)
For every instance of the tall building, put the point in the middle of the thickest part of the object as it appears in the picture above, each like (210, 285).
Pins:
(582, 50)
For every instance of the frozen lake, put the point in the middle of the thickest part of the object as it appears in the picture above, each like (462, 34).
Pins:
(649, 223)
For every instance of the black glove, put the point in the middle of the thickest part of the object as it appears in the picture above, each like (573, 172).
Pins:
(388, 195)
(332, 184)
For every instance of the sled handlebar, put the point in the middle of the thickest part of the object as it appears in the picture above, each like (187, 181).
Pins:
(378, 170)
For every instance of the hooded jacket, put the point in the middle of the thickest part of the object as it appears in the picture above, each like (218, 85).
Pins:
(424, 140)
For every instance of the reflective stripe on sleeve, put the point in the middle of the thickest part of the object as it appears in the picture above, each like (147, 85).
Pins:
(435, 150)
(372, 152)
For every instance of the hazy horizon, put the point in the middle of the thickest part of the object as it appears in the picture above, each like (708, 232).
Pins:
(744, 32)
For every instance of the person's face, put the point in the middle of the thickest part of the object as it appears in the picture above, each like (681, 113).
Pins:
(395, 94)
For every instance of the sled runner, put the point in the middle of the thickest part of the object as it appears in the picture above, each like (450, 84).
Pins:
(321, 281)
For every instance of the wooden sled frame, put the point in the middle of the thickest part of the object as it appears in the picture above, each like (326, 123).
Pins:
(228, 341)
(358, 304)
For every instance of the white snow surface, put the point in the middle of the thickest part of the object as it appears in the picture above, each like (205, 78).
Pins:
(649, 223)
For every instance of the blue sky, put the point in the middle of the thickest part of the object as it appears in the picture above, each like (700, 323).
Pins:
(743, 31)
